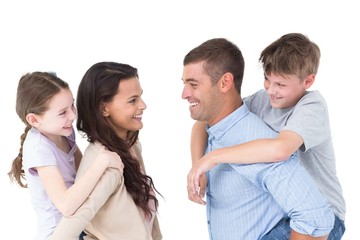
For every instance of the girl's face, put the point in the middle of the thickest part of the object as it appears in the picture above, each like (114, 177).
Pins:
(124, 111)
(57, 120)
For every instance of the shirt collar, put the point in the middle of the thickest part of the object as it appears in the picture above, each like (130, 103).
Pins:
(219, 129)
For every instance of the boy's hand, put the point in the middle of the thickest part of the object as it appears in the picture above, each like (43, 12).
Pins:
(196, 179)
(199, 194)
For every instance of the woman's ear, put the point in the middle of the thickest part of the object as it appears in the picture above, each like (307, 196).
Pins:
(33, 119)
(104, 110)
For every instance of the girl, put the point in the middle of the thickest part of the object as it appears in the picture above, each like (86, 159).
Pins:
(120, 206)
(48, 154)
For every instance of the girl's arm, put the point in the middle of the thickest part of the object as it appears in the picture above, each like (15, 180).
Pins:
(70, 227)
(68, 200)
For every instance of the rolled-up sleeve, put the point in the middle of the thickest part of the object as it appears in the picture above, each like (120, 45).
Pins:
(296, 193)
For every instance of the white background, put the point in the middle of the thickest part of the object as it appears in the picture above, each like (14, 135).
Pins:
(69, 36)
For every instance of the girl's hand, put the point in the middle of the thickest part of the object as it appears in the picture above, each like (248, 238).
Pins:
(112, 158)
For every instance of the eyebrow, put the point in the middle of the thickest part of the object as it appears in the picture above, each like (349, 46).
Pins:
(134, 96)
(190, 80)
(65, 108)
(61, 110)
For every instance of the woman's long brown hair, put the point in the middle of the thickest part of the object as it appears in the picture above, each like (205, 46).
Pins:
(99, 85)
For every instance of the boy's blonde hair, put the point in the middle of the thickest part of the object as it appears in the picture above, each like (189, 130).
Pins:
(291, 54)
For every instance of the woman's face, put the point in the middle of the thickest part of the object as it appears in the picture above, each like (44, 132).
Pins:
(124, 111)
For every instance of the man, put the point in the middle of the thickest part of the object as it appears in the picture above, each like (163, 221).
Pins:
(246, 201)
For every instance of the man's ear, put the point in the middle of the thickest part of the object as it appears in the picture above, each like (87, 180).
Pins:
(309, 80)
(227, 82)
(33, 119)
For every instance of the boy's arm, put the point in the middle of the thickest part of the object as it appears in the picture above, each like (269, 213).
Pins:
(68, 200)
(260, 150)
(257, 151)
(198, 141)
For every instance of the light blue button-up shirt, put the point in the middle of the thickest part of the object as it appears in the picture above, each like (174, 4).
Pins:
(247, 201)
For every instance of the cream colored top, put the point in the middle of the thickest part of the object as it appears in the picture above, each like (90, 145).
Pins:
(109, 213)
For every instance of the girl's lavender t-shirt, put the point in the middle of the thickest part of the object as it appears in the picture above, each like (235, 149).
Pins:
(39, 151)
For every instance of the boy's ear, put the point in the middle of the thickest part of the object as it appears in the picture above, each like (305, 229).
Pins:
(32, 119)
(309, 80)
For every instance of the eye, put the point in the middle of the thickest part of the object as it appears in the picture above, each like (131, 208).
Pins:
(133, 100)
(192, 83)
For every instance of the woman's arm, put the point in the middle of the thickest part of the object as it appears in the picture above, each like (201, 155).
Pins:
(68, 200)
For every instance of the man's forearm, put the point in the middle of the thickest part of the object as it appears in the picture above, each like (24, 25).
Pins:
(298, 236)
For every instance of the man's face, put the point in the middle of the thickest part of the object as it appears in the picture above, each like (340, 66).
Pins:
(199, 92)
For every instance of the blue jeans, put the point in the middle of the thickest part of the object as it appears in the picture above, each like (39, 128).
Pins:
(82, 235)
(282, 230)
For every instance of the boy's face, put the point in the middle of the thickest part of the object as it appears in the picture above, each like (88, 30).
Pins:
(285, 91)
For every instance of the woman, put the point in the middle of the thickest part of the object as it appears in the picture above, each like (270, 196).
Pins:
(124, 206)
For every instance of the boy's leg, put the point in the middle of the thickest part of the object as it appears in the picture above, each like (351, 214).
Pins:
(338, 231)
